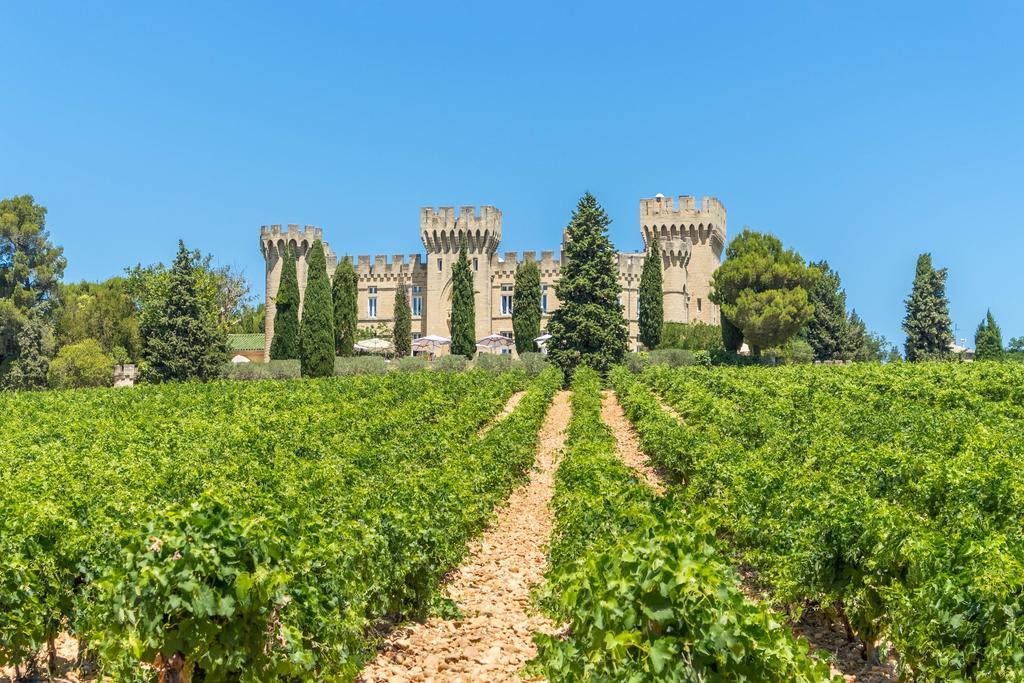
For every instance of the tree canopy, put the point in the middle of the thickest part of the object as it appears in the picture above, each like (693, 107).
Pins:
(988, 340)
(81, 364)
(316, 329)
(651, 304)
(927, 325)
(764, 289)
(100, 311)
(588, 328)
(345, 292)
(285, 344)
(526, 311)
(463, 308)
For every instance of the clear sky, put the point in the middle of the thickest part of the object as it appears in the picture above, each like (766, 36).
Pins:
(861, 133)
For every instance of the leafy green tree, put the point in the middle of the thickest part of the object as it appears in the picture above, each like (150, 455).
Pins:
(763, 289)
(36, 346)
(250, 320)
(102, 311)
(82, 364)
(651, 304)
(828, 330)
(588, 328)
(927, 325)
(695, 336)
(988, 340)
(316, 330)
(30, 270)
(182, 338)
(463, 307)
(526, 311)
(285, 344)
(732, 336)
(345, 289)
(403, 322)
(855, 343)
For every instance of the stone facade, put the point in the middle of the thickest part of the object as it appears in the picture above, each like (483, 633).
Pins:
(691, 239)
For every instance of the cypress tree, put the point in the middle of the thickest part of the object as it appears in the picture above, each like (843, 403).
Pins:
(828, 331)
(403, 323)
(926, 324)
(345, 291)
(651, 299)
(526, 307)
(988, 340)
(184, 340)
(463, 312)
(316, 331)
(588, 328)
(285, 344)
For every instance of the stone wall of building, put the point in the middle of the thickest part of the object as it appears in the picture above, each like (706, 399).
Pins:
(691, 239)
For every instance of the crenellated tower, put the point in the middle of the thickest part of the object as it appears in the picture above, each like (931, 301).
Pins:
(442, 232)
(273, 242)
(691, 238)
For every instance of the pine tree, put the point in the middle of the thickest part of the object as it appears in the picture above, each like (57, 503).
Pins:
(346, 313)
(403, 323)
(855, 340)
(929, 333)
(463, 311)
(526, 307)
(732, 336)
(316, 330)
(184, 339)
(828, 331)
(988, 340)
(651, 302)
(588, 328)
(35, 351)
(285, 344)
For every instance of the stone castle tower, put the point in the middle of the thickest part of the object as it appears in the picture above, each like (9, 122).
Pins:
(691, 239)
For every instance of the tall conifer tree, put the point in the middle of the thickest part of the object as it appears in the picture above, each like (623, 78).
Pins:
(526, 307)
(285, 344)
(463, 310)
(403, 323)
(588, 328)
(927, 325)
(988, 340)
(651, 298)
(316, 330)
(828, 329)
(346, 314)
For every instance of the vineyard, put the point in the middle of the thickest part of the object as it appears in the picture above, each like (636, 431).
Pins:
(282, 530)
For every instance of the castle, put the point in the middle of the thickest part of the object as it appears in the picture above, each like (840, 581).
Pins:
(691, 239)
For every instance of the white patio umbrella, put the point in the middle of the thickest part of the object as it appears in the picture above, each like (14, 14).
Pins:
(374, 345)
(430, 343)
(542, 342)
(494, 341)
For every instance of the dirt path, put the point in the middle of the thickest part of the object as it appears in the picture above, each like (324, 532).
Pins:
(627, 443)
(513, 401)
(494, 638)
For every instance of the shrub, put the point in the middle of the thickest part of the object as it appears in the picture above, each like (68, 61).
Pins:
(451, 363)
(360, 365)
(411, 364)
(493, 362)
(637, 362)
(676, 358)
(533, 363)
(696, 336)
(275, 369)
(82, 364)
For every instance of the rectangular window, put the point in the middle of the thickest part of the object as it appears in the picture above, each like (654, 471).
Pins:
(543, 298)
(698, 303)
(439, 265)
(476, 264)
(371, 307)
(506, 299)
(417, 301)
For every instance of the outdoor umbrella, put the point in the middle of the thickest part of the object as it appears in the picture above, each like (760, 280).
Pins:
(542, 342)
(374, 345)
(430, 343)
(494, 341)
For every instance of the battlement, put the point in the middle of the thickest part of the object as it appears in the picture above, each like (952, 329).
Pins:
(274, 240)
(505, 267)
(442, 231)
(380, 268)
(311, 233)
(664, 208)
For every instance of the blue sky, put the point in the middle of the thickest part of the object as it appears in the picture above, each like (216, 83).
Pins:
(861, 133)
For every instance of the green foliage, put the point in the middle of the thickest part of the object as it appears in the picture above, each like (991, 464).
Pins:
(285, 344)
(275, 369)
(533, 364)
(359, 365)
(526, 311)
(651, 303)
(988, 340)
(763, 289)
(493, 362)
(796, 351)
(413, 363)
(646, 593)
(346, 301)
(450, 363)
(677, 358)
(929, 332)
(203, 519)
(588, 328)
(250, 320)
(35, 349)
(103, 311)
(316, 330)
(403, 322)
(889, 495)
(82, 364)
(181, 337)
(463, 309)
(732, 336)
(696, 336)
(830, 333)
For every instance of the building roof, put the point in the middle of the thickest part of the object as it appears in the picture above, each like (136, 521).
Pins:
(247, 342)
